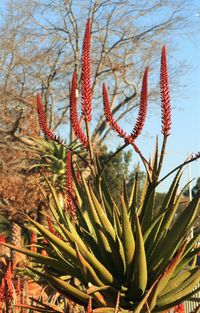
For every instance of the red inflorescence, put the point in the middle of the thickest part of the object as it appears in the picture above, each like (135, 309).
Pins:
(69, 184)
(165, 97)
(50, 226)
(33, 241)
(74, 114)
(109, 116)
(2, 291)
(9, 287)
(2, 238)
(43, 251)
(18, 289)
(89, 307)
(86, 91)
(142, 108)
(42, 120)
(179, 308)
(52, 230)
(129, 139)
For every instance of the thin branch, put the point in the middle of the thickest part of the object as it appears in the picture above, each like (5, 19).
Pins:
(112, 156)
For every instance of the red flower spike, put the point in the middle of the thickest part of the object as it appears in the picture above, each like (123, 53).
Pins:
(109, 116)
(142, 108)
(69, 184)
(89, 307)
(42, 120)
(74, 114)
(86, 91)
(50, 226)
(18, 290)
(2, 238)
(44, 252)
(165, 97)
(130, 139)
(33, 241)
(44, 241)
(51, 229)
(179, 308)
(33, 238)
(2, 291)
(9, 287)
(8, 274)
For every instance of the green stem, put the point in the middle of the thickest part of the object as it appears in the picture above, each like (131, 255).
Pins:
(112, 156)
(115, 153)
(162, 154)
(145, 162)
(89, 142)
(80, 157)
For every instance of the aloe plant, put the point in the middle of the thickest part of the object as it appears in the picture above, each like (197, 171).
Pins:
(50, 157)
(117, 257)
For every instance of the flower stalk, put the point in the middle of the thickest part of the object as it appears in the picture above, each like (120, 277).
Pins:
(142, 107)
(42, 120)
(86, 89)
(69, 184)
(74, 113)
(165, 106)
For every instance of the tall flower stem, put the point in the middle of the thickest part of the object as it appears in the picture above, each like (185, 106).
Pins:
(165, 106)
(162, 154)
(90, 148)
(80, 157)
(112, 156)
(145, 162)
